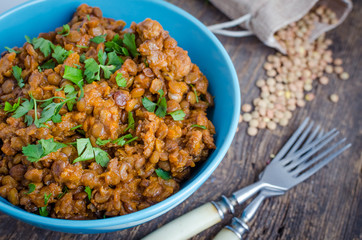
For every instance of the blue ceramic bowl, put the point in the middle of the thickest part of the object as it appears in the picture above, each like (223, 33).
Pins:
(204, 49)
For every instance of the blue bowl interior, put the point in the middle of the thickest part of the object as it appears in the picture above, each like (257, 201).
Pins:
(204, 49)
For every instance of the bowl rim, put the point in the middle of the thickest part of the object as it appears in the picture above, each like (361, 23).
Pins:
(144, 215)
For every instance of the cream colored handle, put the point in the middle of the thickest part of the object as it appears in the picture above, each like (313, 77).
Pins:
(188, 225)
(226, 234)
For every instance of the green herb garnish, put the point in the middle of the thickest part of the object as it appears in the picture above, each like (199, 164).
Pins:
(88, 17)
(65, 190)
(44, 45)
(99, 39)
(161, 104)
(81, 46)
(76, 76)
(60, 54)
(11, 50)
(24, 108)
(17, 75)
(199, 126)
(195, 92)
(101, 142)
(130, 121)
(163, 174)
(87, 152)
(43, 210)
(45, 146)
(178, 115)
(76, 127)
(50, 64)
(11, 108)
(120, 80)
(65, 31)
(88, 190)
(129, 40)
(31, 188)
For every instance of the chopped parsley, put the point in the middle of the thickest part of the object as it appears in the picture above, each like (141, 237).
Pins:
(76, 76)
(88, 190)
(161, 104)
(65, 31)
(115, 60)
(93, 69)
(81, 46)
(60, 54)
(130, 121)
(99, 39)
(11, 108)
(24, 108)
(11, 50)
(17, 75)
(115, 45)
(101, 142)
(34, 152)
(65, 190)
(120, 80)
(43, 210)
(50, 64)
(44, 45)
(163, 174)
(76, 127)
(195, 92)
(198, 126)
(124, 140)
(82, 58)
(129, 40)
(87, 152)
(178, 115)
(31, 188)
(88, 17)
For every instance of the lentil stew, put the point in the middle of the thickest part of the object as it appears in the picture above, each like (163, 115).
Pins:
(100, 121)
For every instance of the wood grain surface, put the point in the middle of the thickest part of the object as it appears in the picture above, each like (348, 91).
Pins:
(326, 206)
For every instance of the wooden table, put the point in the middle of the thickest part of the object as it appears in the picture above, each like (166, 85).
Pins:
(327, 206)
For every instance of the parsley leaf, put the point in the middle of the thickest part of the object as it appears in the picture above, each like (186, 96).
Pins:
(115, 46)
(27, 38)
(44, 45)
(76, 76)
(50, 64)
(60, 54)
(129, 40)
(88, 190)
(130, 121)
(91, 70)
(101, 142)
(178, 115)
(28, 120)
(82, 58)
(65, 31)
(199, 126)
(81, 46)
(31, 188)
(195, 92)
(122, 140)
(17, 75)
(65, 190)
(88, 17)
(46, 146)
(43, 210)
(107, 71)
(161, 104)
(148, 104)
(87, 152)
(99, 39)
(10, 50)
(11, 108)
(76, 127)
(115, 60)
(163, 174)
(24, 108)
(120, 80)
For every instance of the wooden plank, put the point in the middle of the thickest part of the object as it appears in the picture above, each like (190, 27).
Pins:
(327, 206)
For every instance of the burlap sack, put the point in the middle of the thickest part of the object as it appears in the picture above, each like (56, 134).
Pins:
(268, 16)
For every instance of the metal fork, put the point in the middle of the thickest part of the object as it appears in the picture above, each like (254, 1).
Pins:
(286, 170)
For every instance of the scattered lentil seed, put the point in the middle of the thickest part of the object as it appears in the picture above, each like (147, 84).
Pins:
(337, 61)
(323, 80)
(309, 97)
(344, 76)
(334, 98)
(240, 118)
(246, 108)
(271, 125)
(252, 131)
(338, 69)
(254, 123)
(247, 117)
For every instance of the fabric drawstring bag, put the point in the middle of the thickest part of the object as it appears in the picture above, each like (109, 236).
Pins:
(264, 18)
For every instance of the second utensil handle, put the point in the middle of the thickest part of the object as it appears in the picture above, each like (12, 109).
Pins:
(188, 225)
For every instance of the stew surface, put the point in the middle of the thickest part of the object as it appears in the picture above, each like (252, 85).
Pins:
(98, 120)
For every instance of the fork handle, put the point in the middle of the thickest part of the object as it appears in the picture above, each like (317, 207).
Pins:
(188, 225)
